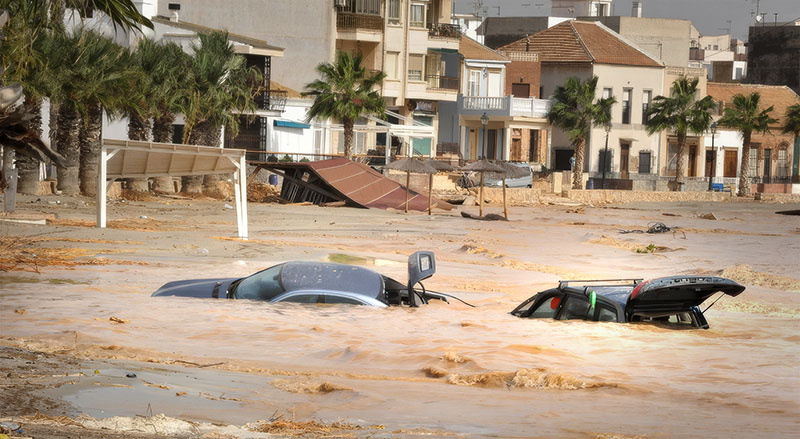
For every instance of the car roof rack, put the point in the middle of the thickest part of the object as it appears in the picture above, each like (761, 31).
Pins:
(598, 282)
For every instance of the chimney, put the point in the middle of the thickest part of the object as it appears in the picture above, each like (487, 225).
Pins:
(174, 8)
(637, 9)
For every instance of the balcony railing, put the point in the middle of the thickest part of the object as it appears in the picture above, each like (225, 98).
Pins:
(507, 105)
(274, 100)
(350, 20)
(437, 82)
(450, 31)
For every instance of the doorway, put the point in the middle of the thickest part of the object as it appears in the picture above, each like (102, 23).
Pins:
(624, 160)
(473, 144)
(709, 164)
(767, 163)
(491, 145)
(729, 166)
(693, 161)
(562, 159)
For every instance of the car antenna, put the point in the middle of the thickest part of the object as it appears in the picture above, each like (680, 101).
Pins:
(712, 303)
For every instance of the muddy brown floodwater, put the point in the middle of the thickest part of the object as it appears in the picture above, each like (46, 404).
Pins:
(439, 370)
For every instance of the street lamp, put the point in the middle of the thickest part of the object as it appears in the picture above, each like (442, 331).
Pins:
(485, 123)
(605, 156)
(713, 155)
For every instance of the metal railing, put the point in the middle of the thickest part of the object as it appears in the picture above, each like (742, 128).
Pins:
(770, 180)
(438, 82)
(442, 30)
(350, 20)
(443, 148)
(274, 100)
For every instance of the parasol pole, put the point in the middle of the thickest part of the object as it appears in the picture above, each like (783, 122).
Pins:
(505, 209)
(430, 193)
(408, 182)
(480, 199)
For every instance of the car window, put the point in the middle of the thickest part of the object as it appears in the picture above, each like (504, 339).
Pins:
(263, 285)
(547, 309)
(303, 298)
(575, 308)
(607, 315)
(339, 299)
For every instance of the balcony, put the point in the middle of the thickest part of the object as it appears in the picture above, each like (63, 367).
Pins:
(444, 31)
(443, 83)
(272, 100)
(353, 21)
(504, 106)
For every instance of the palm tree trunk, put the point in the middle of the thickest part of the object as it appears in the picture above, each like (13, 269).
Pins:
(68, 143)
(744, 175)
(348, 138)
(91, 132)
(138, 129)
(577, 171)
(679, 162)
(28, 167)
(205, 134)
(162, 133)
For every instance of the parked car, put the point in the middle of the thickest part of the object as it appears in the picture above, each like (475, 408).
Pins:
(674, 301)
(525, 181)
(317, 282)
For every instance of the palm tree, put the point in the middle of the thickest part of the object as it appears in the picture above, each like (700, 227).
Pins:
(792, 124)
(93, 74)
(682, 113)
(574, 110)
(218, 83)
(746, 116)
(345, 92)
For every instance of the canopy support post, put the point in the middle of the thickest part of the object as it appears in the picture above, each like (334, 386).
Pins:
(101, 188)
(240, 196)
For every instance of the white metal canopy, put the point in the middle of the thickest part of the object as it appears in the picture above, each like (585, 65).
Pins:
(134, 159)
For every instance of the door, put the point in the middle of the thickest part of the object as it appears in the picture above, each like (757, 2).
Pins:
(767, 163)
(731, 157)
(516, 149)
(495, 86)
(534, 146)
(491, 145)
(624, 160)
(521, 90)
(562, 159)
(693, 161)
(473, 144)
(709, 164)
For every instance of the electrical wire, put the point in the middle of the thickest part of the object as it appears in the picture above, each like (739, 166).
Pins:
(447, 295)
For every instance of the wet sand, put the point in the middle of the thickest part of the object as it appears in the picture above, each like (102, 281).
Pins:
(438, 371)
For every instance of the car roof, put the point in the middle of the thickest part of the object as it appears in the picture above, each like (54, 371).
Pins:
(303, 275)
(613, 293)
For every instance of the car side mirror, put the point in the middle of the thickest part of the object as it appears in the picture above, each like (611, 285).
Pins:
(421, 265)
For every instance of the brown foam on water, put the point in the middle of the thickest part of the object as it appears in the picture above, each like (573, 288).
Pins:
(525, 378)
(480, 250)
(307, 387)
(452, 357)
(759, 308)
(746, 276)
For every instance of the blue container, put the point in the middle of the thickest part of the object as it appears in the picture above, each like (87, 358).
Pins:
(273, 179)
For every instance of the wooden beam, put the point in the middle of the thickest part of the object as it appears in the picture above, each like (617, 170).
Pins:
(306, 185)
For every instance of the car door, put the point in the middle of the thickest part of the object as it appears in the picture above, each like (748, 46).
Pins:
(575, 307)
(543, 306)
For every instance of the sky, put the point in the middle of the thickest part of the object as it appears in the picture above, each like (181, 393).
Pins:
(710, 17)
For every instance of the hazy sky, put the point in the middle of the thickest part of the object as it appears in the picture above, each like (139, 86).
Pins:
(709, 16)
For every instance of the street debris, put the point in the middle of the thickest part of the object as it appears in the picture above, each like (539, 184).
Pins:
(708, 216)
(487, 217)
(117, 320)
(652, 228)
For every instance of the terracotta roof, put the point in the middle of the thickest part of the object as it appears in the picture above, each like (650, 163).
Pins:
(471, 49)
(583, 42)
(779, 96)
(290, 93)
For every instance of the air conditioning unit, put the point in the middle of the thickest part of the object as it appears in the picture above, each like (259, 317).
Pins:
(340, 3)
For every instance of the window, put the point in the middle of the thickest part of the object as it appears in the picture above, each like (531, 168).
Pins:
(417, 18)
(672, 154)
(576, 308)
(626, 105)
(263, 285)
(753, 163)
(330, 298)
(303, 298)
(474, 84)
(644, 162)
(393, 11)
(547, 309)
(372, 7)
(646, 96)
(391, 65)
(606, 93)
(415, 65)
(783, 167)
(607, 315)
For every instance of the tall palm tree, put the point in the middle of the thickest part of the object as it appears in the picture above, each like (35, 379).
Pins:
(747, 116)
(681, 113)
(93, 74)
(345, 92)
(792, 124)
(574, 110)
(218, 84)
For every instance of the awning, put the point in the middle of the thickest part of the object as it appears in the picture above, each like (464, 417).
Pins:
(442, 50)
(290, 124)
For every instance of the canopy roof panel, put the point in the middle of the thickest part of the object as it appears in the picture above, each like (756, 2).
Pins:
(132, 159)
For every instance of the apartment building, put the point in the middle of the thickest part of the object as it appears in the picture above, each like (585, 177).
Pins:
(403, 38)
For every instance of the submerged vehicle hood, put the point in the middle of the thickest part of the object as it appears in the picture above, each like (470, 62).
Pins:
(196, 287)
(679, 292)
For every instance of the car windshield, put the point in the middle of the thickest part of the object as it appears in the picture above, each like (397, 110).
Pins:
(263, 285)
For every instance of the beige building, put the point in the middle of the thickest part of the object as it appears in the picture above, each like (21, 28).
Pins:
(404, 38)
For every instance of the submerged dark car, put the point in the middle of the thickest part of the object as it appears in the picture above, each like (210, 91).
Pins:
(317, 282)
(668, 300)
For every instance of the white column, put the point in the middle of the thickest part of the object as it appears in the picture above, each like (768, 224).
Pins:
(506, 143)
(243, 195)
(237, 200)
(101, 188)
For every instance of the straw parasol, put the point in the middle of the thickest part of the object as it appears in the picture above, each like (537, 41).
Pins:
(509, 171)
(483, 166)
(410, 165)
(439, 166)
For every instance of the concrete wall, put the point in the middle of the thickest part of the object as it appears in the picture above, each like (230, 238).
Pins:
(665, 39)
(774, 56)
(305, 28)
(524, 72)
